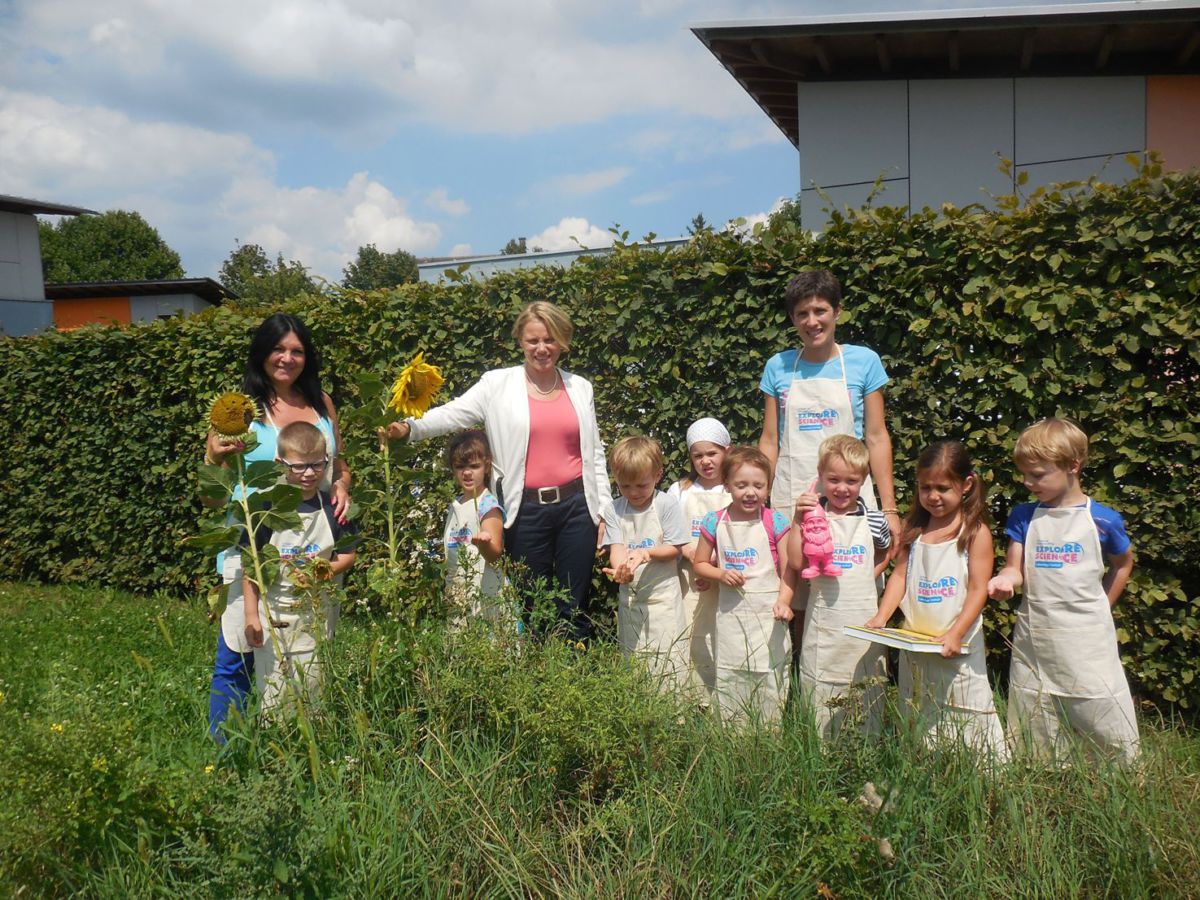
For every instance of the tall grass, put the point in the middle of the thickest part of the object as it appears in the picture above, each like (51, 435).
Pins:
(468, 765)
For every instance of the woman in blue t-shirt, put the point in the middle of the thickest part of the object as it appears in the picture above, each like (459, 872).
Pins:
(283, 376)
(822, 389)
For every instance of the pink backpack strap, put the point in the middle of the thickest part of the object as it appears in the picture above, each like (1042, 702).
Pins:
(768, 520)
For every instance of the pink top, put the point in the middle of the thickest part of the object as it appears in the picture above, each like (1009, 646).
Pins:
(553, 457)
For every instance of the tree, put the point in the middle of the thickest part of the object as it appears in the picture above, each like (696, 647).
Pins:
(250, 274)
(514, 247)
(699, 224)
(114, 246)
(372, 269)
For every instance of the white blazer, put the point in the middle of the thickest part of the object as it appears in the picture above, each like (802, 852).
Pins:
(500, 402)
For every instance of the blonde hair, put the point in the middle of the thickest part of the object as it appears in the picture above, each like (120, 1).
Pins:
(301, 438)
(557, 322)
(1058, 441)
(635, 455)
(848, 449)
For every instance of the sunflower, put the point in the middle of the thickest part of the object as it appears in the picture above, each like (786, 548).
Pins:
(415, 387)
(231, 414)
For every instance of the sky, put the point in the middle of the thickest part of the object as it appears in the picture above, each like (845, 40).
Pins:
(314, 127)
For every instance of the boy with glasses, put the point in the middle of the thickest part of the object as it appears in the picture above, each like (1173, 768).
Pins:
(285, 651)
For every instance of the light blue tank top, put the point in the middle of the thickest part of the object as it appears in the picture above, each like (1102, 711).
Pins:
(268, 446)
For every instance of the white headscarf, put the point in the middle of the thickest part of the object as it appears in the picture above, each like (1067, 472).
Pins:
(708, 429)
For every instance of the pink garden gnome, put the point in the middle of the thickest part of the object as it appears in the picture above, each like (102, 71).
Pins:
(818, 545)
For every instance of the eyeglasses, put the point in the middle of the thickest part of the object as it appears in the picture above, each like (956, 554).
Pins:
(301, 468)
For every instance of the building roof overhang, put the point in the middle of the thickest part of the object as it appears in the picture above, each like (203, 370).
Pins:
(33, 207)
(204, 288)
(1138, 37)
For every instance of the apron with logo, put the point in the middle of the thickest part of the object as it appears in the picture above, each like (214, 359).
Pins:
(472, 583)
(1065, 663)
(752, 645)
(287, 662)
(951, 697)
(813, 410)
(650, 618)
(830, 662)
(700, 607)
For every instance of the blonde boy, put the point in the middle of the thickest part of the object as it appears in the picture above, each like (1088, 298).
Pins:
(830, 662)
(650, 618)
(1066, 676)
(285, 651)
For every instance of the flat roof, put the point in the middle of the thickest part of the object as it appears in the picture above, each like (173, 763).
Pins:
(25, 205)
(769, 57)
(204, 288)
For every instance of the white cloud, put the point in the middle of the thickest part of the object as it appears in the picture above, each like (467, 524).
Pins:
(586, 182)
(758, 218)
(202, 189)
(440, 200)
(569, 234)
(461, 250)
(651, 197)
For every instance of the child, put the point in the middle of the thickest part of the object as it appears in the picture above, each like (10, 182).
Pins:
(741, 548)
(296, 626)
(650, 620)
(698, 494)
(940, 584)
(831, 662)
(1065, 669)
(474, 531)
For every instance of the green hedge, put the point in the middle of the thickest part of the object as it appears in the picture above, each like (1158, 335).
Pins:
(1080, 302)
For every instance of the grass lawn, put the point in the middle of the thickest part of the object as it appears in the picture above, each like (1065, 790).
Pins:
(471, 767)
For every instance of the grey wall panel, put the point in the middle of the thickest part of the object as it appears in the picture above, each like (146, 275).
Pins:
(21, 317)
(813, 207)
(1113, 170)
(20, 258)
(147, 309)
(10, 246)
(1067, 118)
(956, 128)
(850, 132)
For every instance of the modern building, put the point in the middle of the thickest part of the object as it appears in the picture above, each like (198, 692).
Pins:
(24, 308)
(933, 102)
(484, 266)
(123, 302)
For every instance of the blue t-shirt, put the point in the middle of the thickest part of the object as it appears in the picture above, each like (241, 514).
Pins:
(864, 375)
(1109, 525)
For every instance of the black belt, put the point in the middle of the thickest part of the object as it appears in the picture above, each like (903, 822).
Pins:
(546, 495)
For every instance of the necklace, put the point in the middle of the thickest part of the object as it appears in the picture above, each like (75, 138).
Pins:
(533, 384)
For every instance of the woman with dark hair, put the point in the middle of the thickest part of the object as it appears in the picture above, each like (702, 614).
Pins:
(283, 377)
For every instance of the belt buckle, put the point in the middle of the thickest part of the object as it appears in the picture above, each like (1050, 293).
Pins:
(542, 495)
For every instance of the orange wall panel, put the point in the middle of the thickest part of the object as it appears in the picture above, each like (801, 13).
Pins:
(1173, 119)
(70, 314)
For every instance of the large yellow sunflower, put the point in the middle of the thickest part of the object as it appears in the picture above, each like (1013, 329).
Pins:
(415, 387)
(231, 414)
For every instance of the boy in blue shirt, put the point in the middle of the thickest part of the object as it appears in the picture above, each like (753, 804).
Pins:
(1066, 676)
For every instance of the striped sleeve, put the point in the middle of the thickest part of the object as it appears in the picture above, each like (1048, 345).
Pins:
(881, 534)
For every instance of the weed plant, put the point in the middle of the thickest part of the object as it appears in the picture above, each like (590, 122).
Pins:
(470, 763)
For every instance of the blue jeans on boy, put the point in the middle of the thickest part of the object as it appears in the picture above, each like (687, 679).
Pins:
(231, 679)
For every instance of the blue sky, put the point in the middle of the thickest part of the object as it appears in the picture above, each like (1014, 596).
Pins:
(313, 127)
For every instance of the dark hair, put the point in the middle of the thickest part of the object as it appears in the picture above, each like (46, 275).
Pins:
(952, 458)
(468, 446)
(256, 382)
(744, 456)
(812, 283)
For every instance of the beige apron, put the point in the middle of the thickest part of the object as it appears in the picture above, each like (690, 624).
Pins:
(1065, 665)
(830, 662)
(650, 618)
(472, 583)
(951, 698)
(752, 646)
(813, 410)
(700, 607)
(302, 627)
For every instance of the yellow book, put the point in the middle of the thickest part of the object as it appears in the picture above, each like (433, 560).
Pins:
(899, 638)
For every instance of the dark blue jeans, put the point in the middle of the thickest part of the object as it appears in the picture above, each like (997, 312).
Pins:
(231, 680)
(557, 542)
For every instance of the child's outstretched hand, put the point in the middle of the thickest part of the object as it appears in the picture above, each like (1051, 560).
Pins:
(733, 578)
(805, 502)
(783, 611)
(1000, 588)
